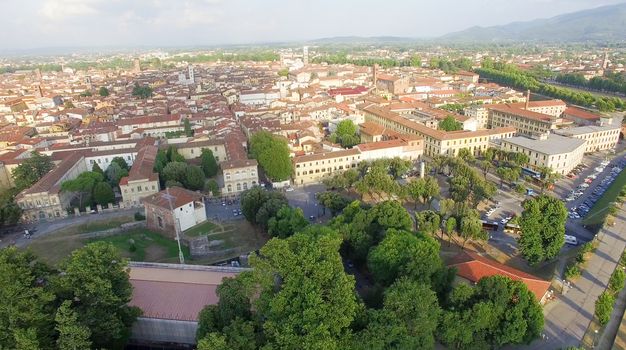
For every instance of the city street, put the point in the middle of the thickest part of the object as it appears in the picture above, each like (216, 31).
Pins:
(567, 319)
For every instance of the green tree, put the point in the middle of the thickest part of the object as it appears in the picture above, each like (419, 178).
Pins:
(415, 189)
(211, 186)
(449, 228)
(142, 92)
(209, 164)
(390, 214)
(331, 200)
(121, 162)
(268, 210)
(466, 155)
(471, 228)
(10, 212)
(604, 307)
(407, 320)
(97, 276)
(450, 124)
(287, 221)
(115, 173)
(403, 253)
(26, 316)
(428, 221)
(194, 178)
(377, 181)
(103, 91)
(31, 170)
(497, 312)
(82, 187)
(346, 134)
(97, 169)
(416, 61)
(175, 171)
(187, 126)
(283, 72)
(213, 341)
(272, 153)
(543, 228)
(103, 193)
(72, 334)
(304, 295)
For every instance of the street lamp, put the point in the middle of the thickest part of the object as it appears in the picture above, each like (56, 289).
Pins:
(595, 338)
(169, 198)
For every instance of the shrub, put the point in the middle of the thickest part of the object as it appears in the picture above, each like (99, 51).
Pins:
(139, 216)
(587, 248)
(519, 188)
(572, 271)
(580, 257)
(604, 307)
(616, 282)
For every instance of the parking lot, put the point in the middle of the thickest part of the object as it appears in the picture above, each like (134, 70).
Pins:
(223, 209)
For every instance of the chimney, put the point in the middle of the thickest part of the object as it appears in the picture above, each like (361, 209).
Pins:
(527, 99)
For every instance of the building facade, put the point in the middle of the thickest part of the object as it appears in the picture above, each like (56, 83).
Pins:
(239, 175)
(141, 181)
(598, 138)
(559, 153)
(174, 206)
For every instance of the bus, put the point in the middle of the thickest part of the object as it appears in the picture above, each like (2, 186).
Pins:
(489, 226)
(531, 173)
(512, 228)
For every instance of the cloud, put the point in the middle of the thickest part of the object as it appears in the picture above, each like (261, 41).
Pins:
(56, 10)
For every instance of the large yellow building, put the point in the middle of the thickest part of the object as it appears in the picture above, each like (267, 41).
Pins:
(436, 142)
(141, 181)
(44, 199)
(526, 122)
(598, 138)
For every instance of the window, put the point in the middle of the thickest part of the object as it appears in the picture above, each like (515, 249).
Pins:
(138, 188)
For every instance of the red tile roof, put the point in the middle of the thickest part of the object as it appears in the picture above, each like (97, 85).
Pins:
(473, 267)
(175, 292)
(580, 113)
(180, 197)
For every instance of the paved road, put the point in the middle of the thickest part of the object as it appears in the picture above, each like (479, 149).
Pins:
(44, 228)
(567, 319)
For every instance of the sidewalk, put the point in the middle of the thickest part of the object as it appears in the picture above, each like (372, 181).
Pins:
(567, 320)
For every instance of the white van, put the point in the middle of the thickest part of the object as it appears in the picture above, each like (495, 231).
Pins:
(571, 240)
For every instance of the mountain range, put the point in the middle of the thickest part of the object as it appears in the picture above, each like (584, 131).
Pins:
(601, 24)
(606, 23)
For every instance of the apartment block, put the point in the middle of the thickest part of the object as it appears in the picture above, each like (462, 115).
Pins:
(559, 153)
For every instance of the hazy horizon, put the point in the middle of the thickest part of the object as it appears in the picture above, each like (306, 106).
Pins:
(32, 24)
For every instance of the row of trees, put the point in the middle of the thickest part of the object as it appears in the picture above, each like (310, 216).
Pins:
(298, 295)
(513, 77)
(82, 304)
(614, 83)
(342, 58)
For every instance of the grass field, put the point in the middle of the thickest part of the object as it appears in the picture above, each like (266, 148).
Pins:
(201, 229)
(600, 209)
(148, 246)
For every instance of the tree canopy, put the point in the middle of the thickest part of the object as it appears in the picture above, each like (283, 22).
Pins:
(496, 312)
(450, 124)
(404, 253)
(543, 228)
(30, 170)
(272, 153)
(346, 134)
(209, 164)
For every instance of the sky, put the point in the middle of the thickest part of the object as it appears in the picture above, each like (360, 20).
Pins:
(159, 23)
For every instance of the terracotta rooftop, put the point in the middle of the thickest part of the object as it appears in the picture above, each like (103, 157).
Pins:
(176, 292)
(507, 108)
(144, 164)
(326, 155)
(179, 197)
(473, 267)
(238, 163)
(51, 181)
(581, 113)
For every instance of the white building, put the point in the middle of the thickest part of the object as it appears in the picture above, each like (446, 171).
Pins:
(559, 153)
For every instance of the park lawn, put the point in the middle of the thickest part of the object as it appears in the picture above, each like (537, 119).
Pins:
(93, 226)
(200, 230)
(600, 209)
(53, 251)
(149, 246)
